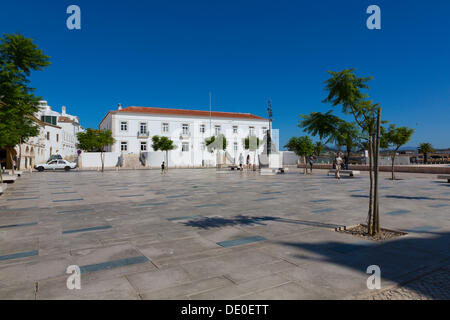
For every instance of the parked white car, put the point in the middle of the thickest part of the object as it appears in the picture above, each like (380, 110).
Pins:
(56, 165)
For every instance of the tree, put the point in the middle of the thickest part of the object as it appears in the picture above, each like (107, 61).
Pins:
(344, 88)
(397, 137)
(331, 128)
(425, 148)
(93, 140)
(323, 125)
(302, 146)
(163, 144)
(216, 143)
(348, 136)
(252, 144)
(19, 56)
(213, 143)
(318, 148)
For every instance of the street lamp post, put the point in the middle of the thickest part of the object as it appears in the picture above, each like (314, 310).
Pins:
(269, 132)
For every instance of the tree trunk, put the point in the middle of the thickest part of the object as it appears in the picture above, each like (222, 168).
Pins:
(306, 166)
(103, 160)
(370, 213)
(12, 164)
(376, 214)
(393, 161)
(20, 155)
(167, 160)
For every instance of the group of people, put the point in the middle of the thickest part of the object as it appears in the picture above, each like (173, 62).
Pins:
(339, 164)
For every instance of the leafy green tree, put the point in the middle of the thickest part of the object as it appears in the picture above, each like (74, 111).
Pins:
(19, 56)
(163, 144)
(425, 148)
(345, 89)
(214, 143)
(252, 144)
(301, 146)
(397, 137)
(331, 128)
(348, 136)
(93, 140)
(318, 148)
(323, 125)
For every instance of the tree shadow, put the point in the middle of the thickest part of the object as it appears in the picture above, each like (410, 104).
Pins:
(402, 197)
(241, 220)
(400, 261)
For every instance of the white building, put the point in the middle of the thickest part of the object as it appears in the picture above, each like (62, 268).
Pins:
(134, 127)
(61, 138)
(57, 135)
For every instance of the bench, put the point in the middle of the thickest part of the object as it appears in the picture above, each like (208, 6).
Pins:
(9, 179)
(444, 176)
(16, 172)
(272, 171)
(351, 173)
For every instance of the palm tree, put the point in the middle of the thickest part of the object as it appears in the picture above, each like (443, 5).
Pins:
(425, 148)
(163, 144)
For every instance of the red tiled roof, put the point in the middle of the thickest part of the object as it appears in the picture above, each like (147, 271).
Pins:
(185, 112)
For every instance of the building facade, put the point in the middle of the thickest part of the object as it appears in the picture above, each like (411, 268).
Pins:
(134, 127)
(57, 135)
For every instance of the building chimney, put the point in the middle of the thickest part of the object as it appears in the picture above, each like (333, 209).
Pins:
(119, 107)
(63, 110)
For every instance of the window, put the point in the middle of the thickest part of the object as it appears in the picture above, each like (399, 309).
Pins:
(202, 128)
(185, 129)
(123, 126)
(217, 130)
(185, 146)
(57, 137)
(165, 127)
(49, 119)
(143, 128)
(202, 146)
(48, 135)
(123, 146)
(264, 130)
(235, 129)
(235, 147)
(143, 146)
(251, 131)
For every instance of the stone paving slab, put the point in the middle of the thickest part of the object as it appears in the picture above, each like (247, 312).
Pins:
(146, 236)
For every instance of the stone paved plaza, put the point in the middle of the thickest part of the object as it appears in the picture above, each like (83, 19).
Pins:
(199, 234)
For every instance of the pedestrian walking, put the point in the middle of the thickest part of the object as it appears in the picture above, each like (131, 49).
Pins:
(248, 162)
(338, 163)
(241, 161)
(311, 162)
(163, 167)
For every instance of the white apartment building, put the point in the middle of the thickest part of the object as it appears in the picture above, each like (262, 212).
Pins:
(134, 127)
(61, 138)
(57, 135)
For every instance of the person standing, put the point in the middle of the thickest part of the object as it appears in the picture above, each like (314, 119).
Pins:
(241, 161)
(311, 162)
(338, 162)
(248, 161)
(163, 167)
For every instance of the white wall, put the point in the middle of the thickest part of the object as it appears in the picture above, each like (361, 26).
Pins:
(93, 160)
(289, 158)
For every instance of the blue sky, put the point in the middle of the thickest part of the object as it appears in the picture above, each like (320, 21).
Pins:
(171, 53)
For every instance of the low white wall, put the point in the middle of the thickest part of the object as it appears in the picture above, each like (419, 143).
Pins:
(289, 158)
(93, 159)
